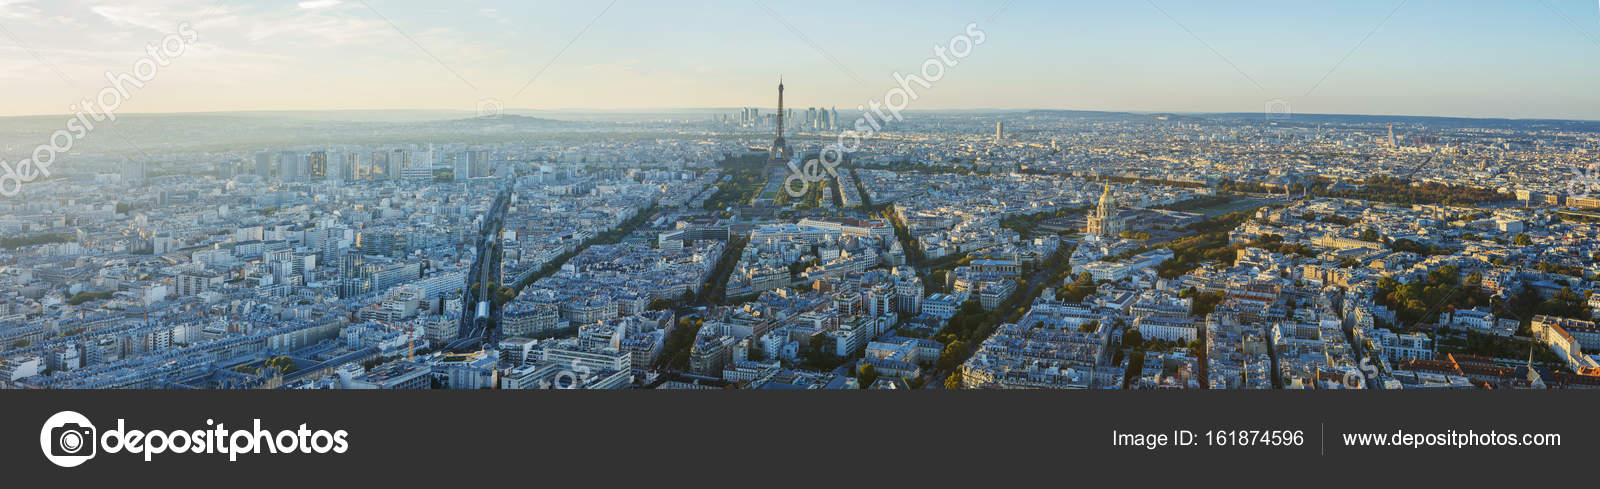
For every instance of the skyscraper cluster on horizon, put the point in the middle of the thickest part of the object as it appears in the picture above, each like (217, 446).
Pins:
(810, 118)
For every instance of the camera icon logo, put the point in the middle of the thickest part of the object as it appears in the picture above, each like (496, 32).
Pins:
(1278, 110)
(490, 108)
(68, 439)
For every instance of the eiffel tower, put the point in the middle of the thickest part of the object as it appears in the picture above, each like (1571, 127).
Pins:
(780, 148)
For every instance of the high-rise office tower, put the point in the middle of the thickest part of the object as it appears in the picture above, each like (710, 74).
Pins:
(419, 165)
(133, 172)
(349, 166)
(399, 160)
(460, 168)
(264, 168)
(355, 275)
(288, 166)
(317, 163)
(378, 168)
(477, 164)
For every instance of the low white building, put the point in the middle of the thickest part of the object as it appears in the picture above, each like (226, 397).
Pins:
(941, 305)
(1166, 328)
(1397, 347)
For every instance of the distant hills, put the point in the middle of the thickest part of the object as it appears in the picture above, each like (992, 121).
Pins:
(502, 120)
(1312, 119)
(245, 130)
(152, 133)
(1438, 122)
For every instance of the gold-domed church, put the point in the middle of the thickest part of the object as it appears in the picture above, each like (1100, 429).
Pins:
(1105, 220)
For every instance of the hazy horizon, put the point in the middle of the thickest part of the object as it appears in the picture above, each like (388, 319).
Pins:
(451, 114)
(1518, 60)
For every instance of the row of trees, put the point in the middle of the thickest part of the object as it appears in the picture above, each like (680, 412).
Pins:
(971, 324)
(281, 364)
(919, 167)
(675, 350)
(12, 243)
(1330, 219)
(1274, 243)
(914, 254)
(1474, 343)
(1569, 270)
(1420, 301)
(1028, 224)
(745, 180)
(609, 237)
(83, 297)
(1446, 289)
(811, 199)
(1564, 303)
(1203, 202)
(1385, 189)
(1081, 287)
(1153, 181)
(1209, 244)
(967, 323)
(664, 304)
(717, 291)
(1202, 303)
(1418, 248)
(1402, 191)
(820, 354)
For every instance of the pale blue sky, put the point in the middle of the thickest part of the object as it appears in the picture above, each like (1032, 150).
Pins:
(1523, 58)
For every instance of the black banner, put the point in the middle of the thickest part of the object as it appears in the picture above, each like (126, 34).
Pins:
(662, 438)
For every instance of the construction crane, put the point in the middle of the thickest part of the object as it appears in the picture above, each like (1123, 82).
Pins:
(411, 340)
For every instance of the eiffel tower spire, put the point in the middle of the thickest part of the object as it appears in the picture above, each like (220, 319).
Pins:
(780, 148)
